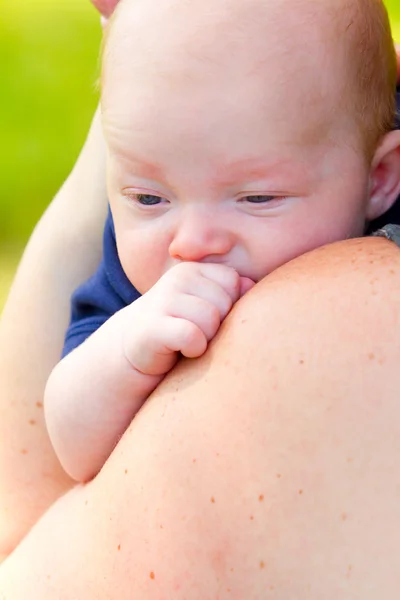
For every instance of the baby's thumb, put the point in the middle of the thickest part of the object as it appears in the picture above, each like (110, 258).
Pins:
(245, 285)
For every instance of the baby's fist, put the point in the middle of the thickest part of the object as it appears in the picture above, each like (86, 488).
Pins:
(182, 313)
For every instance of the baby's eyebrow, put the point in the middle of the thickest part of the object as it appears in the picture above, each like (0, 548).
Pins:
(255, 169)
(227, 173)
(146, 168)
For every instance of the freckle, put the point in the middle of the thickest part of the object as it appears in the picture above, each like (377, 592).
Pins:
(350, 460)
(119, 546)
(300, 492)
(392, 272)
(152, 576)
(86, 502)
(301, 362)
(371, 356)
(126, 471)
(278, 475)
(228, 590)
(212, 500)
(344, 517)
(261, 498)
(24, 451)
(231, 569)
(194, 460)
(161, 526)
(262, 564)
(39, 404)
(349, 570)
(251, 518)
(48, 576)
(381, 362)
(244, 321)
(32, 422)
(271, 588)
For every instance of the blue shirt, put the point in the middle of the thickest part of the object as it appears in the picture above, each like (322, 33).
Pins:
(101, 296)
(109, 289)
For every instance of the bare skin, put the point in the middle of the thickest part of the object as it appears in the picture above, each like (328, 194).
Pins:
(206, 192)
(262, 467)
(30, 482)
(64, 249)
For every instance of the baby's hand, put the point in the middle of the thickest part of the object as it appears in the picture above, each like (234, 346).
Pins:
(181, 313)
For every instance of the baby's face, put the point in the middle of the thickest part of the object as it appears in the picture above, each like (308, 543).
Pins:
(220, 150)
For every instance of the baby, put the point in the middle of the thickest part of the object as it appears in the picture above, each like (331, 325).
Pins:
(240, 135)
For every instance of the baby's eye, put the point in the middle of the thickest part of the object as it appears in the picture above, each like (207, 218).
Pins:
(259, 199)
(148, 199)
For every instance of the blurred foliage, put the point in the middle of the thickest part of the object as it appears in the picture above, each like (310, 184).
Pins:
(393, 7)
(49, 68)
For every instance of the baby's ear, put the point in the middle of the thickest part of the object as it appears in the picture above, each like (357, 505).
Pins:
(385, 176)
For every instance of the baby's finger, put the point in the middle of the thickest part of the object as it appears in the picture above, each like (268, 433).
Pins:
(203, 314)
(181, 335)
(224, 276)
(211, 292)
(246, 284)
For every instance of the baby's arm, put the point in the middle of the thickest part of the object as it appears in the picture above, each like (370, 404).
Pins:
(93, 393)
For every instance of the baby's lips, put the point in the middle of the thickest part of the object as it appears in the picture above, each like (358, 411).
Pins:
(245, 285)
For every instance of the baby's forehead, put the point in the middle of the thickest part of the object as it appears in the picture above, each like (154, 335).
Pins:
(288, 47)
(222, 31)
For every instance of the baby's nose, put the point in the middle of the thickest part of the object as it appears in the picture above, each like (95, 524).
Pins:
(200, 238)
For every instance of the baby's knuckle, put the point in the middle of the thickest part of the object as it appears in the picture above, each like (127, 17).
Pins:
(213, 318)
(232, 277)
(226, 305)
(184, 268)
(189, 333)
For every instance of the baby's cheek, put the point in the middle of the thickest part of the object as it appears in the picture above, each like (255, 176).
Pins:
(143, 262)
(294, 241)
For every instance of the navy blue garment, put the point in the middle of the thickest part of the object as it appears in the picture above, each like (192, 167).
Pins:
(109, 289)
(101, 296)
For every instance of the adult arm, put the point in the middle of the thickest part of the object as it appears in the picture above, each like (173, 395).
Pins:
(271, 466)
(63, 250)
(93, 394)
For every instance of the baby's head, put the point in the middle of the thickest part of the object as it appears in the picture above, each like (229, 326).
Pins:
(246, 133)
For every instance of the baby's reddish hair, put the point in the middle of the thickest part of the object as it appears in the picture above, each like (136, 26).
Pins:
(372, 67)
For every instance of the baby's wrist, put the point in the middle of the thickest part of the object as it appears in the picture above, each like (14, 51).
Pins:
(140, 350)
(148, 362)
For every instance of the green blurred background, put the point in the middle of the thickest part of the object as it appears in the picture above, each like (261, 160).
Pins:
(49, 68)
